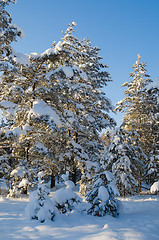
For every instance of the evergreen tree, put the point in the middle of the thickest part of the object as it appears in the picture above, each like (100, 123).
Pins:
(55, 95)
(8, 34)
(123, 161)
(134, 103)
(152, 106)
(37, 117)
(101, 196)
(7, 160)
(40, 206)
(87, 106)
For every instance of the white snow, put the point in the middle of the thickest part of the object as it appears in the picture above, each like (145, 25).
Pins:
(20, 58)
(69, 184)
(11, 107)
(26, 128)
(65, 176)
(40, 108)
(74, 24)
(40, 175)
(58, 47)
(19, 171)
(155, 187)
(94, 165)
(49, 51)
(67, 71)
(138, 220)
(81, 72)
(41, 147)
(23, 183)
(103, 194)
(40, 206)
(16, 131)
(20, 29)
(34, 55)
(7, 104)
(64, 194)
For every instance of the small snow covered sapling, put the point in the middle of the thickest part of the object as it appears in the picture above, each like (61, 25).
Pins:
(40, 206)
(65, 199)
(19, 178)
(101, 196)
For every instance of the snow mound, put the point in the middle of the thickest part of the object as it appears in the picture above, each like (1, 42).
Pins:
(103, 194)
(155, 187)
(65, 199)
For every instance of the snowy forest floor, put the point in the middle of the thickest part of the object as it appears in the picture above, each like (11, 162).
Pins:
(138, 220)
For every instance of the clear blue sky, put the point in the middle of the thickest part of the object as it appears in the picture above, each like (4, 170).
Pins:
(120, 28)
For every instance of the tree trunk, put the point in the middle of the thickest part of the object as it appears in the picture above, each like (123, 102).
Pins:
(140, 181)
(74, 175)
(7, 182)
(52, 181)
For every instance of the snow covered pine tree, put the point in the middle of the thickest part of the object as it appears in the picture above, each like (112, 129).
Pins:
(121, 159)
(134, 103)
(40, 206)
(102, 194)
(152, 106)
(8, 34)
(85, 107)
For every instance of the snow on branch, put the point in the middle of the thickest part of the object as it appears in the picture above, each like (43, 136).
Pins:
(41, 108)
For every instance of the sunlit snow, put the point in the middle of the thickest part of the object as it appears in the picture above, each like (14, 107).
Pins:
(40, 108)
(138, 220)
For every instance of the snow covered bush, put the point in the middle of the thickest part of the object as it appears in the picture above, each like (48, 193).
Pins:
(102, 194)
(65, 199)
(155, 188)
(19, 179)
(40, 206)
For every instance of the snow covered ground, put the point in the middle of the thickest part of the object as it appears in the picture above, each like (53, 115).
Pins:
(139, 219)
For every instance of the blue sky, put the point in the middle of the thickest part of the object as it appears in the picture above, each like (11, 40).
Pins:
(120, 28)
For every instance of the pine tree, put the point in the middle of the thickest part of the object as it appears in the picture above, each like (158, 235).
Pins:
(40, 206)
(74, 109)
(8, 34)
(134, 103)
(102, 195)
(87, 107)
(123, 161)
(7, 161)
(152, 106)
(37, 117)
